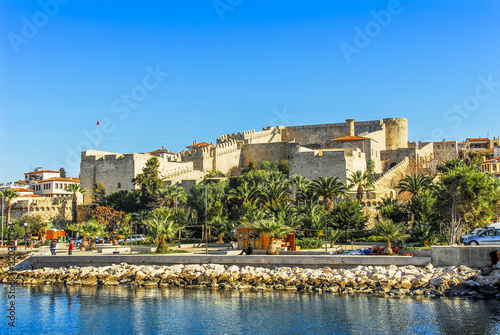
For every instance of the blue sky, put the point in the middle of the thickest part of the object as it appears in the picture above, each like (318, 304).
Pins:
(166, 73)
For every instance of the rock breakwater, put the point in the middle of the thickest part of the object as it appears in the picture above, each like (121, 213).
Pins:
(375, 280)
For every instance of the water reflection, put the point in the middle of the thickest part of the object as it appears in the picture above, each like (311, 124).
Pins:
(124, 310)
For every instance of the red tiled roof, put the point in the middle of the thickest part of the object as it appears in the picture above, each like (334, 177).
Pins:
(70, 179)
(477, 139)
(161, 152)
(197, 145)
(47, 171)
(21, 182)
(20, 189)
(351, 138)
(492, 160)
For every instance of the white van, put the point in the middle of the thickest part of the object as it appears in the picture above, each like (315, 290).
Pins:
(494, 224)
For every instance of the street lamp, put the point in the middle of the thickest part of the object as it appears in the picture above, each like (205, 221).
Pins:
(1, 193)
(25, 235)
(326, 235)
(206, 214)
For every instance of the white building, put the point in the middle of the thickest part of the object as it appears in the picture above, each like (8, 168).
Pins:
(54, 187)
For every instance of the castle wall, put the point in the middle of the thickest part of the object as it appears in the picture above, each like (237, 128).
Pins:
(266, 152)
(317, 163)
(324, 132)
(227, 155)
(268, 134)
(49, 209)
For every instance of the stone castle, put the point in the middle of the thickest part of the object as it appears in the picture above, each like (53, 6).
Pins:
(335, 149)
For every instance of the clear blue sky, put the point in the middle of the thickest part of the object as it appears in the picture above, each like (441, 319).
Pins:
(233, 65)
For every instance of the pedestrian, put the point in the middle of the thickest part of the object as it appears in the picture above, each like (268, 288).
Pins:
(70, 249)
(53, 247)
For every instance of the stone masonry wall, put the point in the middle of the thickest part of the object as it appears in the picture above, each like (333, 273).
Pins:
(266, 152)
(324, 132)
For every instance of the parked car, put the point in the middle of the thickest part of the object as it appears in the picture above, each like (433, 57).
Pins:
(475, 232)
(135, 238)
(78, 243)
(487, 237)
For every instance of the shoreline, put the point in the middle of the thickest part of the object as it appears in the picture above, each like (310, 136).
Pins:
(389, 281)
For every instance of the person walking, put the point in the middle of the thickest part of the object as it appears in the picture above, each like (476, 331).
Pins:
(53, 247)
(70, 249)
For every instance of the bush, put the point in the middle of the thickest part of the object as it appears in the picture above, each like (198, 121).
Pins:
(309, 243)
(372, 238)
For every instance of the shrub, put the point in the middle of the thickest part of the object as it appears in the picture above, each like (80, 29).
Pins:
(309, 243)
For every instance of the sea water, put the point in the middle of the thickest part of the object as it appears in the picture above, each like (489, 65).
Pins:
(125, 310)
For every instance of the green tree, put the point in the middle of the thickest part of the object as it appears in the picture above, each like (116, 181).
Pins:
(99, 196)
(370, 166)
(162, 228)
(328, 188)
(123, 200)
(423, 233)
(394, 210)
(89, 229)
(360, 180)
(149, 183)
(271, 229)
(9, 195)
(466, 197)
(413, 185)
(391, 232)
(173, 195)
(62, 172)
(74, 189)
(348, 214)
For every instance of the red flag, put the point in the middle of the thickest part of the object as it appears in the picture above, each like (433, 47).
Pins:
(97, 122)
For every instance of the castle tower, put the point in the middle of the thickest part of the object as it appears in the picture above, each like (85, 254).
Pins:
(396, 133)
(350, 126)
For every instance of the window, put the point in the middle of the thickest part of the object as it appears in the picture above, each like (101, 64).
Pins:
(119, 185)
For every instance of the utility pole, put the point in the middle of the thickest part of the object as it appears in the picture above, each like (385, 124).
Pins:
(326, 235)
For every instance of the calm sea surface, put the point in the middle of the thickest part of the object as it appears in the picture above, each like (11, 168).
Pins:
(123, 310)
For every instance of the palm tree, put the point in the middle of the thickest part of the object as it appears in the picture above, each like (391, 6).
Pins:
(271, 229)
(362, 180)
(9, 195)
(273, 194)
(162, 228)
(141, 217)
(413, 184)
(390, 231)
(298, 182)
(243, 194)
(91, 228)
(74, 189)
(328, 188)
(174, 195)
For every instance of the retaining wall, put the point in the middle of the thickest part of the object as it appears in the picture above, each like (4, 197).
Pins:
(472, 256)
(254, 260)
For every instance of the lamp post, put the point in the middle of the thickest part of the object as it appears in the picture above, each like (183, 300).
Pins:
(326, 235)
(25, 235)
(206, 214)
(1, 193)
(206, 220)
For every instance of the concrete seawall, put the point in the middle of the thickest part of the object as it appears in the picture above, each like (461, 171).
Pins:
(316, 261)
(472, 256)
